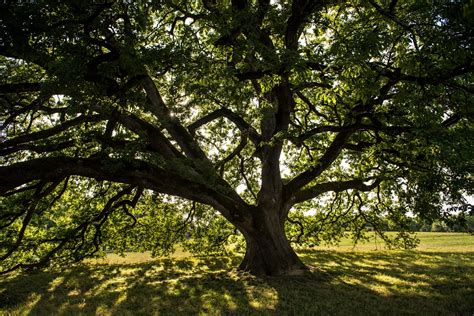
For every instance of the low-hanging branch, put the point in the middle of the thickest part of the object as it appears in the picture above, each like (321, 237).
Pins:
(75, 237)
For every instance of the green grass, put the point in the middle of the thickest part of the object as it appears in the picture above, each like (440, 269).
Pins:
(438, 279)
(453, 242)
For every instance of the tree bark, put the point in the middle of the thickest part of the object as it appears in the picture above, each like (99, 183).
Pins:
(268, 251)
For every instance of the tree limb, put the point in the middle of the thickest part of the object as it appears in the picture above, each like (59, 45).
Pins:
(396, 74)
(49, 132)
(324, 162)
(336, 186)
(235, 152)
(300, 11)
(169, 179)
(171, 124)
(233, 117)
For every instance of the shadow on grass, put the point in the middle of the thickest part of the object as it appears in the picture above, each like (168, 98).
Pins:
(386, 282)
(339, 283)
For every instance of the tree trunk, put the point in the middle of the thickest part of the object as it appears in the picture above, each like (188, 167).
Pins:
(268, 250)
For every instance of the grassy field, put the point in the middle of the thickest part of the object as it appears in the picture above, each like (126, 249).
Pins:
(436, 279)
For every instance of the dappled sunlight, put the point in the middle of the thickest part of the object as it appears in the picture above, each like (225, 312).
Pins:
(339, 282)
(262, 296)
(406, 279)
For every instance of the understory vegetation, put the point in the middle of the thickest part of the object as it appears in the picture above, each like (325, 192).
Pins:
(436, 279)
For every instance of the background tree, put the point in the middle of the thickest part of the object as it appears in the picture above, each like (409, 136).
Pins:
(313, 118)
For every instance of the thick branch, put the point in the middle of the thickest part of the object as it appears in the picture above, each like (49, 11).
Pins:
(395, 74)
(324, 162)
(158, 142)
(170, 179)
(337, 186)
(322, 129)
(172, 125)
(233, 117)
(340, 141)
(300, 11)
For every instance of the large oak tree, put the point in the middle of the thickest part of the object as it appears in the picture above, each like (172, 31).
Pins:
(295, 121)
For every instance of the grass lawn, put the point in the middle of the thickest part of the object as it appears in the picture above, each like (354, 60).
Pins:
(436, 279)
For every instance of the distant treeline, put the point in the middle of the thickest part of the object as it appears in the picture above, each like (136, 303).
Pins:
(460, 224)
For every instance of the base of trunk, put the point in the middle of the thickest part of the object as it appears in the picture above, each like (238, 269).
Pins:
(271, 256)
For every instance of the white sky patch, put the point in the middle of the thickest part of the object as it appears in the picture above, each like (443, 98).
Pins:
(310, 212)
(58, 97)
(276, 3)
(345, 166)
(3, 134)
(284, 170)
(470, 199)
(213, 152)
(241, 188)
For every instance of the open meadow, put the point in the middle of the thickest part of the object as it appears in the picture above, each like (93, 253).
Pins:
(435, 279)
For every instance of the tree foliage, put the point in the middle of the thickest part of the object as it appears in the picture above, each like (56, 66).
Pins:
(143, 124)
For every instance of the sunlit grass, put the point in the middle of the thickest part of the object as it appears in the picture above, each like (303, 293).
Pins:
(429, 241)
(438, 280)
